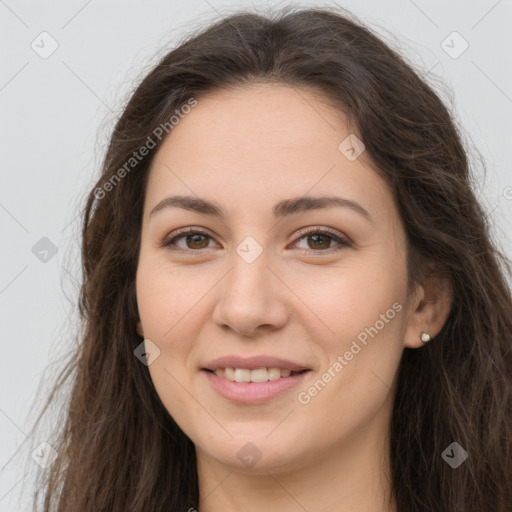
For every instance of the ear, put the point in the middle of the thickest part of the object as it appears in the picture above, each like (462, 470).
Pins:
(430, 305)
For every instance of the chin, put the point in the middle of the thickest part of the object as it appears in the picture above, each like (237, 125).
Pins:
(255, 454)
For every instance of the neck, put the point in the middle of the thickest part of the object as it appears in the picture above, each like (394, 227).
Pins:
(352, 476)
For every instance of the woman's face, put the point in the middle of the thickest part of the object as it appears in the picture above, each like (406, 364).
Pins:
(275, 280)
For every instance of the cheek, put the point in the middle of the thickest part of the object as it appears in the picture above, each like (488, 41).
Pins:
(166, 311)
(365, 312)
(362, 296)
(171, 312)
(166, 299)
(163, 303)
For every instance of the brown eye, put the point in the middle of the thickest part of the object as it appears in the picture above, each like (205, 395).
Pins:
(320, 240)
(194, 240)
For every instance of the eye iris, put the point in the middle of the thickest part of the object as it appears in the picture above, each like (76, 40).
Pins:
(324, 237)
(195, 237)
(200, 241)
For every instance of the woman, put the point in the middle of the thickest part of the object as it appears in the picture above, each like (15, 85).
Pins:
(290, 296)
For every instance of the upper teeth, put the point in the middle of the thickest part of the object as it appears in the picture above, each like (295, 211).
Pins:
(245, 375)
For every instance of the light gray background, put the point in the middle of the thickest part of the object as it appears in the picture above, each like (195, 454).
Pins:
(57, 113)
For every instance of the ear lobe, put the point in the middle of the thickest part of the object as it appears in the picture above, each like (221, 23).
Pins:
(429, 309)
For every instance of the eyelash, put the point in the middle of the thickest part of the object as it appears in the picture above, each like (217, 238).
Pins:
(343, 242)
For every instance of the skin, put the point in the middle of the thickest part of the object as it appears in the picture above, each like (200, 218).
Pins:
(303, 299)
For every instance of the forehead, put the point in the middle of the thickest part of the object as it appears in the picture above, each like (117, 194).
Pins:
(270, 116)
(262, 143)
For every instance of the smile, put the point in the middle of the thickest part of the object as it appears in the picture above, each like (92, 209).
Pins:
(256, 375)
(237, 384)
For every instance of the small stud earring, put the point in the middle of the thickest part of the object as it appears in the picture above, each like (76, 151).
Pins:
(139, 329)
(425, 337)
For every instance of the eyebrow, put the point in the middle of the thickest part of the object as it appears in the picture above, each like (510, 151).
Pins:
(282, 209)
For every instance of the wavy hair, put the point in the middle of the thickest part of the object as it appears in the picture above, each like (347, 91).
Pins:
(118, 447)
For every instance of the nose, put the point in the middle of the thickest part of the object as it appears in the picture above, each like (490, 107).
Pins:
(252, 298)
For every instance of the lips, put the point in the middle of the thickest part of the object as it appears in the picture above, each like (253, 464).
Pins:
(257, 375)
(254, 363)
(253, 380)
(252, 393)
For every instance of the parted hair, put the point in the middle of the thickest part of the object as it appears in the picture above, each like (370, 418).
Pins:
(119, 449)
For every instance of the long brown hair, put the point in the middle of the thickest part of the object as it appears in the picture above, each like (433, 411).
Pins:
(119, 449)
